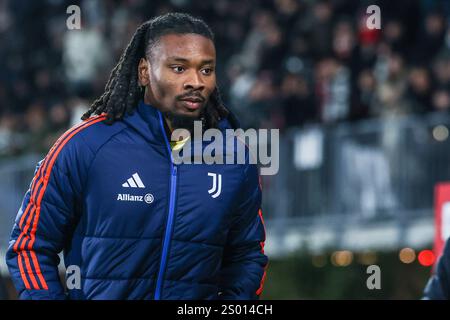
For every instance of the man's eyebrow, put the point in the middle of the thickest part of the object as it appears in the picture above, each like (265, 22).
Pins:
(180, 59)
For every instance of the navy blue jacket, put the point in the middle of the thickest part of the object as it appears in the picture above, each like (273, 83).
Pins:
(136, 225)
(438, 287)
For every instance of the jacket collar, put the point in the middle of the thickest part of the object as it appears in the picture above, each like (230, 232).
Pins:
(148, 121)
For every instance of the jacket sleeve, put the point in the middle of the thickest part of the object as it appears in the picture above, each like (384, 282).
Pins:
(42, 225)
(438, 287)
(244, 262)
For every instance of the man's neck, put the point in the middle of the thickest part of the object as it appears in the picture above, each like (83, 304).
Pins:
(168, 128)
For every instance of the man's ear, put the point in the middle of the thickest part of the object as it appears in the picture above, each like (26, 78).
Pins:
(143, 72)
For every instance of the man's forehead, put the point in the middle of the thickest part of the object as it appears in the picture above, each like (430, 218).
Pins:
(186, 46)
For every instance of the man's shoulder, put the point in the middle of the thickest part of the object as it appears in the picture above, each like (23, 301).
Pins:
(94, 132)
(86, 138)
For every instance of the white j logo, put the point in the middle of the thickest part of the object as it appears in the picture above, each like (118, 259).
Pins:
(217, 185)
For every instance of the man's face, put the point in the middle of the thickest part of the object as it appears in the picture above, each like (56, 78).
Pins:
(180, 77)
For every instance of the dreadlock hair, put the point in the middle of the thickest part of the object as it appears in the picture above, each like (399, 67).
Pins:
(122, 91)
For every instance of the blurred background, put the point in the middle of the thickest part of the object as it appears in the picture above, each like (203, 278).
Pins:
(364, 119)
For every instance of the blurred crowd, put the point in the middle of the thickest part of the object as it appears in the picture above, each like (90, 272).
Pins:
(281, 63)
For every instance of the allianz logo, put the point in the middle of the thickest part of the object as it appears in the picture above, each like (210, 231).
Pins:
(148, 198)
(135, 182)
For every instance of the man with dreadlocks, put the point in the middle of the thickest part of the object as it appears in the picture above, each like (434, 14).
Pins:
(132, 224)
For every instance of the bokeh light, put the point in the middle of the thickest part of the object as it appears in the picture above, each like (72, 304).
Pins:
(407, 255)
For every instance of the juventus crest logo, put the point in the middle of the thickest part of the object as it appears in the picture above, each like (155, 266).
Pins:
(216, 186)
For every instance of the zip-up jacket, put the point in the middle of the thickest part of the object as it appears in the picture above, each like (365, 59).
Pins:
(132, 224)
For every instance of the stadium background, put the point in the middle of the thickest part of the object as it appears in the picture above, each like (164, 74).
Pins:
(363, 115)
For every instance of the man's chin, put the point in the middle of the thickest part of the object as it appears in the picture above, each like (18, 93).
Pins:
(193, 115)
(183, 120)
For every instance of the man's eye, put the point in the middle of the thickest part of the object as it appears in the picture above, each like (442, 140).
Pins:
(178, 69)
(207, 71)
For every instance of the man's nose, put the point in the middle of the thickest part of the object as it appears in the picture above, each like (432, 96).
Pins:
(194, 82)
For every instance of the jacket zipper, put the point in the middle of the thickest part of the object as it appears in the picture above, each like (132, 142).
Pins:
(168, 232)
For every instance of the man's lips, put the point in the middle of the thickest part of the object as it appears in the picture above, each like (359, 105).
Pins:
(192, 104)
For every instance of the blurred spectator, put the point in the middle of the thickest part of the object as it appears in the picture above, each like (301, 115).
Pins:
(273, 49)
(344, 41)
(9, 138)
(319, 28)
(297, 100)
(364, 95)
(262, 101)
(262, 26)
(391, 79)
(419, 90)
(86, 53)
(441, 70)
(430, 38)
(332, 90)
(394, 36)
(37, 128)
(441, 100)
